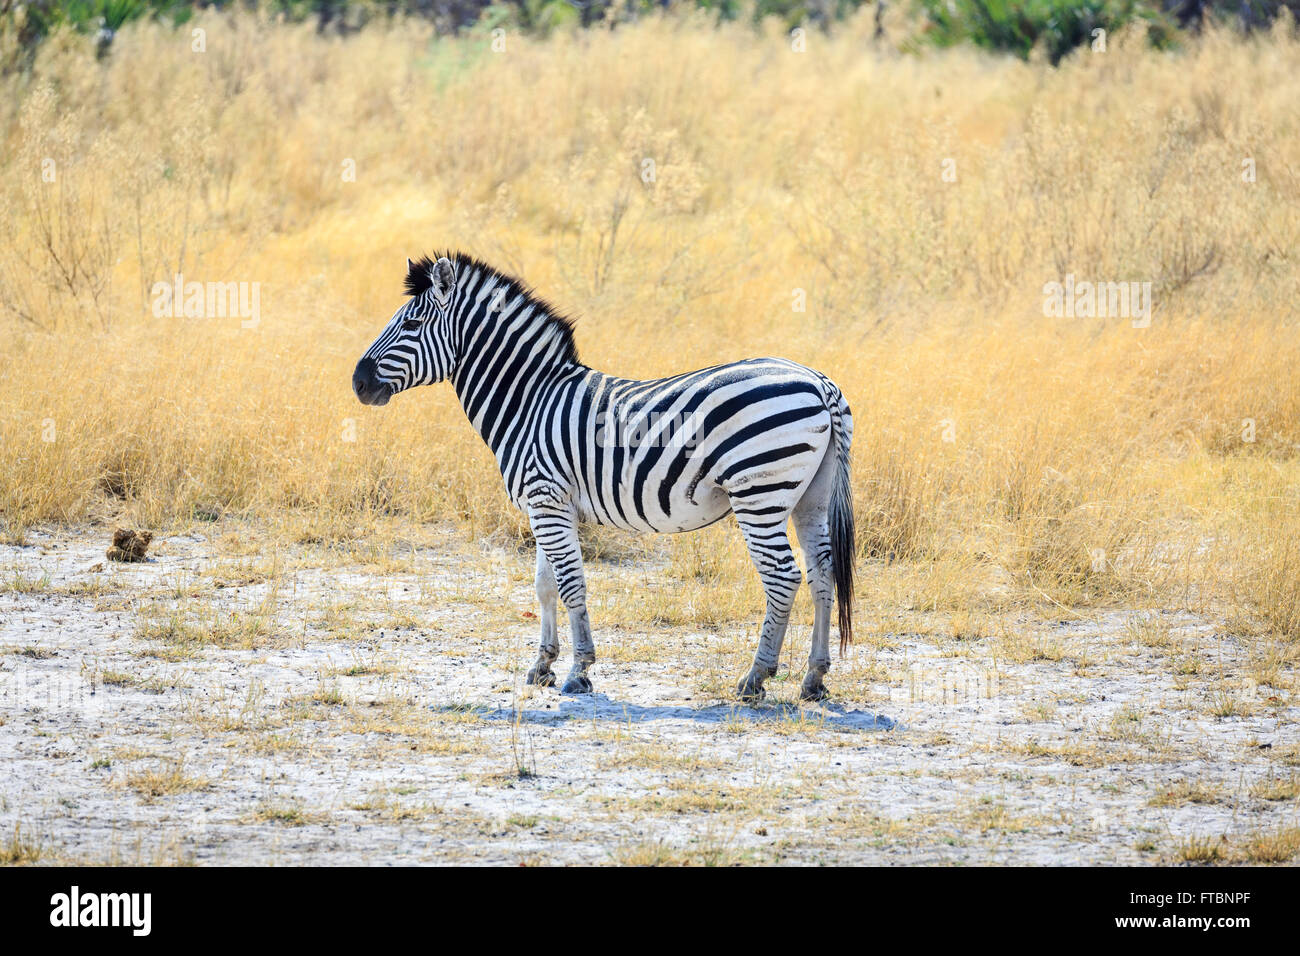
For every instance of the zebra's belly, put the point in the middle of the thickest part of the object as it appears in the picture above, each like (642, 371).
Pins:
(688, 489)
(709, 505)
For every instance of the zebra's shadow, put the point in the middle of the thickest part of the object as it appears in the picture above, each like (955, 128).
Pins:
(601, 707)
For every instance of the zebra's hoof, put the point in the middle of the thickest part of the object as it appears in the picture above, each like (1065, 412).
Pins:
(576, 684)
(541, 678)
(814, 694)
(750, 689)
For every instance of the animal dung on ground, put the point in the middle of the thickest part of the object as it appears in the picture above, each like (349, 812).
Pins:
(129, 545)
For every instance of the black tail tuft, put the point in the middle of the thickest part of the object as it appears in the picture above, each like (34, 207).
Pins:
(843, 546)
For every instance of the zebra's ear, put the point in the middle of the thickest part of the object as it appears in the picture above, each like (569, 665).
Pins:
(443, 277)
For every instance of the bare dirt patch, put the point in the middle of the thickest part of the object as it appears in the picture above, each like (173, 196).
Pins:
(218, 705)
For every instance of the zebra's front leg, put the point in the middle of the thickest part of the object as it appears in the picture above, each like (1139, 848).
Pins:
(549, 649)
(556, 531)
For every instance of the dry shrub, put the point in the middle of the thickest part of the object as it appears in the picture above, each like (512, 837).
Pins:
(801, 205)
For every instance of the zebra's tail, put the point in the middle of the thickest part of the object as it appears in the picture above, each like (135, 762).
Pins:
(843, 546)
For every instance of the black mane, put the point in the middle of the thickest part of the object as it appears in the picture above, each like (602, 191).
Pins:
(418, 281)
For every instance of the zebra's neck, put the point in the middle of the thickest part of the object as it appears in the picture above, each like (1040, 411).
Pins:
(512, 346)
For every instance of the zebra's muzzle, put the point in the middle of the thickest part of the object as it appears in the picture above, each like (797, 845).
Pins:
(365, 382)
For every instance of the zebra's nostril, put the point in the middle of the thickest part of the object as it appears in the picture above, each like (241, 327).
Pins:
(364, 382)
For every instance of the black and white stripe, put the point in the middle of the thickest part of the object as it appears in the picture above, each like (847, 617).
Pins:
(766, 440)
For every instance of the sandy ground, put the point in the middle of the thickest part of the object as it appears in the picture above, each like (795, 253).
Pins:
(215, 707)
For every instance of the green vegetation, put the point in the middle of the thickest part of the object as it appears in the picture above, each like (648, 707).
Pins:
(1055, 26)
(1058, 26)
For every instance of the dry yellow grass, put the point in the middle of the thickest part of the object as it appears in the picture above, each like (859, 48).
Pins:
(1004, 456)
(166, 780)
(21, 849)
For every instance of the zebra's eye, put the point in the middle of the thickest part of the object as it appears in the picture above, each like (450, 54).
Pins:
(410, 325)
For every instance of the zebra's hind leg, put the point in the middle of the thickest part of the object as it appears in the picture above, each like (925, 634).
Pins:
(769, 548)
(810, 523)
(549, 650)
(811, 517)
(556, 531)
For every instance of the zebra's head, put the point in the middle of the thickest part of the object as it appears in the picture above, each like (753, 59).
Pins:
(415, 347)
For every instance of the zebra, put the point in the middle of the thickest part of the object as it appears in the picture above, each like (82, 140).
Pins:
(764, 439)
